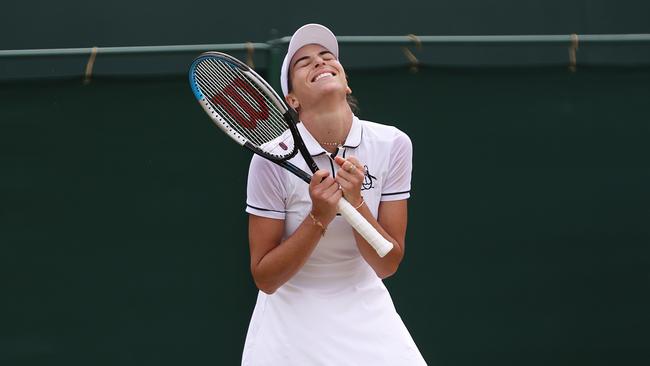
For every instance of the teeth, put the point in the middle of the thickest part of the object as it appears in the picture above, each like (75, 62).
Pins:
(323, 75)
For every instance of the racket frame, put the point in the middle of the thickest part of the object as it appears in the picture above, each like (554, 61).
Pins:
(289, 115)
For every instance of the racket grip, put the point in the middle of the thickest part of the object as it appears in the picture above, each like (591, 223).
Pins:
(363, 227)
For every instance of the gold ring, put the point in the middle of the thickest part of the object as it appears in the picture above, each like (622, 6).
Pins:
(351, 168)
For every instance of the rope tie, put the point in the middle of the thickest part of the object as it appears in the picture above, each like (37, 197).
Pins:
(409, 55)
(89, 66)
(572, 52)
(250, 49)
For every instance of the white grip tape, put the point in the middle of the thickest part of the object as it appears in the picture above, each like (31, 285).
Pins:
(363, 227)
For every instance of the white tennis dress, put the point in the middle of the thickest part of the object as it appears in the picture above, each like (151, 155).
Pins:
(335, 310)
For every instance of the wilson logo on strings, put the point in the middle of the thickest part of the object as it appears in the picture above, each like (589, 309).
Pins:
(236, 92)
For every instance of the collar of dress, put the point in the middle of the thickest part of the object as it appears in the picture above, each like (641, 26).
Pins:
(352, 141)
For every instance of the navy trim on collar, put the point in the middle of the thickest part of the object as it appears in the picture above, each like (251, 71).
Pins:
(356, 133)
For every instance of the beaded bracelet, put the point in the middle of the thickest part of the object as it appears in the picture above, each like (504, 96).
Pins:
(318, 223)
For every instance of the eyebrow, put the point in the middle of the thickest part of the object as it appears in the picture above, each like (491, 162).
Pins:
(306, 57)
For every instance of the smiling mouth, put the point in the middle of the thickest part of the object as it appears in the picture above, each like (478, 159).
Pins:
(323, 75)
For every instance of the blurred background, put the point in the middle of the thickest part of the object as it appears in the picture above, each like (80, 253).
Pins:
(123, 236)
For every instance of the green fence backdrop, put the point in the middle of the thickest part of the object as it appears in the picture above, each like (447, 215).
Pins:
(123, 232)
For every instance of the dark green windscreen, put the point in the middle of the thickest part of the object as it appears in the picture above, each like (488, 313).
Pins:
(123, 235)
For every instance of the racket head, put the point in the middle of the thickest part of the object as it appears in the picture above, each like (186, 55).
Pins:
(243, 105)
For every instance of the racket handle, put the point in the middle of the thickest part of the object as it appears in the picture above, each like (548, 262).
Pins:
(363, 227)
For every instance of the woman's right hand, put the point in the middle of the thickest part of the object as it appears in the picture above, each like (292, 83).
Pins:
(325, 193)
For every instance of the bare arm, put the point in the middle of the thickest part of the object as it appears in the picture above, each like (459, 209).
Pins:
(390, 223)
(273, 261)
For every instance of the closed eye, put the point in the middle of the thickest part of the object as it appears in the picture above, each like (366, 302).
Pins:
(306, 60)
(326, 55)
(303, 61)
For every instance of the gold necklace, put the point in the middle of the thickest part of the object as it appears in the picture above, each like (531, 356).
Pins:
(337, 144)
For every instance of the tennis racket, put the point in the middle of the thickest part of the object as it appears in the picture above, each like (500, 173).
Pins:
(247, 109)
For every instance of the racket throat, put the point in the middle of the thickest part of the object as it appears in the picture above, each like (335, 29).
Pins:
(291, 115)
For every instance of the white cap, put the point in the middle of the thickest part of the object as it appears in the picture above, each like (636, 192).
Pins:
(307, 34)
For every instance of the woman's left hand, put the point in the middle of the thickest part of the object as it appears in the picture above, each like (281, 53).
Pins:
(350, 176)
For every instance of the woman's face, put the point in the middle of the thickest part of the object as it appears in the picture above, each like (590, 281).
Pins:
(314, 73)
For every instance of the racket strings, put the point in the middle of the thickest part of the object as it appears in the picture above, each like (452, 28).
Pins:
(271, 125)
(278, 124)
(228, 70)
(258, 136)
(264, 131)
(226, 111)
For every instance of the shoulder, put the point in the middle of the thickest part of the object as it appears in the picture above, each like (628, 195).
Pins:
(259, 162)
(384, 133)
(260, 167)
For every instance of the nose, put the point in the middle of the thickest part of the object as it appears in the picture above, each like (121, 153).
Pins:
(318, 61)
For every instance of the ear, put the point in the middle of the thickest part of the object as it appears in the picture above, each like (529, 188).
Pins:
(292, 101)
(348, 90)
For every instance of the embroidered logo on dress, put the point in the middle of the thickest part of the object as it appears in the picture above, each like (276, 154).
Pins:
(368, 179)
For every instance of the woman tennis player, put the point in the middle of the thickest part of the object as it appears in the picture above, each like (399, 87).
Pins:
(322, 300)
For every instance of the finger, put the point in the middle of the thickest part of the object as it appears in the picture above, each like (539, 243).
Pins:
(349, 184)
(318, 177)
(325, 188)
(336, 197)
(356, 162)
(329, 191)
(346, 184)
(346, 164)
(339, 160)
(351, 188)
(327, 182)
(333, 196)
(350, 167)
(355, 175)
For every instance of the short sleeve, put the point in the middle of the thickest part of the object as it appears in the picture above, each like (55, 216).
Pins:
(398, 182)
(265, 191)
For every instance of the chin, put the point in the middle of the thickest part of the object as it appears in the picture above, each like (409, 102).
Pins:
(332, 88)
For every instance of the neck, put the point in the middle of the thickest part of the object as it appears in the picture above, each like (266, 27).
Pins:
(328, 123)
